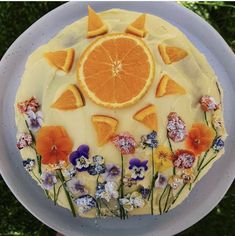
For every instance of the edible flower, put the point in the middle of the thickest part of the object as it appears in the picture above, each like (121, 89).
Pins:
(217, 122)
(128, 181)
(79, 158)
(200, 138)
(176, 128)
(125, 143)
(175, 182)
(107, 191)
(31, 104)
(163, 158)
(208, 103)
(70, 173)
(161, 181)
(218, 144)
(53, 144)
(97, 167)
(76, 187)
(187, 176)
(138, 168)
(149, 140)
(25, 140)
(183, 159)
(144, 191)
(131, 201)
(48, 180)
(85, 203)
(29, 164)
(34, 120)
(112, 171)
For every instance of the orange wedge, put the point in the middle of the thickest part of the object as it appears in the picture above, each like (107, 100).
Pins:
(62, 60)
(69, 99)
(137, 27)
(105, 127)
(95, 24)
(147, 116)
(171, 54)
(116, 70)
(168, 86)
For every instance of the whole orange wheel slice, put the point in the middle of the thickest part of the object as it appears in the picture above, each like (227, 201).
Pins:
(69, 99)
(168, 86)
(105, 127)
(171, 54)
(137, 27)
(147, 116)
(116, 70)
(62, 60)
(95, 24)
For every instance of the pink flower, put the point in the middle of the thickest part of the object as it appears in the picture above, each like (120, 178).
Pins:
(31, 104)
(125, 143)
(184, 159)
(208, 103)
(24, 140)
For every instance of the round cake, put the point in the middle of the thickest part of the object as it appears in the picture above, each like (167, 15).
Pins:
(118, 115)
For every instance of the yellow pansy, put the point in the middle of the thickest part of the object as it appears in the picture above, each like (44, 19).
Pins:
(162, 158)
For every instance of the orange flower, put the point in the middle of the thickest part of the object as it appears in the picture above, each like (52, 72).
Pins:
(199, 138)
(53, 144)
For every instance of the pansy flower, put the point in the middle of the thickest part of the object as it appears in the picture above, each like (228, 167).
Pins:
(161, 181)
(25, 140)
(112, 171)
(128, 181)
(107, 191)
(217, 122)
(79, 158)
(34, 120)
(125, 143)
(218, 144)
(29, 164)
(85, 203)
(144, 191)
(163, 158)
(175, 182)
(200, 138)
(53, 144)
(48, 180)
(70, 173)
(176, 128)
(31, 104)
(187, 176)
(97, 167)
(149, 140)
(131, 201)
(76, 187)
(138, 168)
(183, 159)
(208, 103)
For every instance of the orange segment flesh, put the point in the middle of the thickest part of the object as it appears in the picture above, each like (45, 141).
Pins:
(171, 54)
(105, 127)
(116, 70)
(70, 99)
(168, 86)
(147, 116)
(137, 27)
(95, 25)
(62, 60)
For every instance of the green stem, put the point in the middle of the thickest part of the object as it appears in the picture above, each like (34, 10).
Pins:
(166, 203)
(152, 183)
(170, 145)
(177, 195)
(160, 199)
(61, 177)
(203, 158)
(39, 161)
(122, 210)
(54, 195)
(109, 208)
(205, 116)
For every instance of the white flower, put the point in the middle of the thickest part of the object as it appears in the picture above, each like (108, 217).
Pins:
(161, 181)
(82, 162)
(76, 187)
(34, 120)
(107, 191)
(85, 203)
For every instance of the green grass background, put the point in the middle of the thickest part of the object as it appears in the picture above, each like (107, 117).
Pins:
(15, 18)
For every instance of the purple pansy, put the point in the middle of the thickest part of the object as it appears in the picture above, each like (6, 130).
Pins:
(144, 191)
(149, 140)
(218, 144)
(48, 180)
(29, 164)
(112, 171)
(138, 168)
(76, 187)
(34, 120)
(161, 181)
(79, 158)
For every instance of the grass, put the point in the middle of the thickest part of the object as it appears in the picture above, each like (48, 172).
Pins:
(15, 18)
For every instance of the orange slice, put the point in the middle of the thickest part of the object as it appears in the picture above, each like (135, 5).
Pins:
(62, 60)
(147, 116)
(168, 86)
(69, 99)
(95, 25)
(171, 54)
(116, 70)
(105, 127)
(137, 27)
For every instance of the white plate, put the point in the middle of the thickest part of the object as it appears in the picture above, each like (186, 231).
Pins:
(206, 194)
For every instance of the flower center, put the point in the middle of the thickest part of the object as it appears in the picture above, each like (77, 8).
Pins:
(162, 155)
(54, 149)
(197, 141)
(116, 67)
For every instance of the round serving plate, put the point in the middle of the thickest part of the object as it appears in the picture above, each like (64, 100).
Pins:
(204, 197)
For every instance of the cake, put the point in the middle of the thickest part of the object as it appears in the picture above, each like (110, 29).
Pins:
(119, 115)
